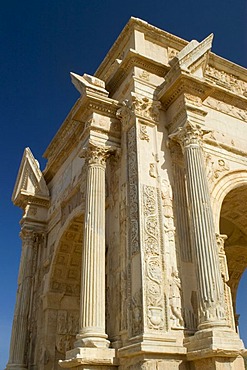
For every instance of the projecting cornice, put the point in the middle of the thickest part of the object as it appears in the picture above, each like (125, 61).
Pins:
(192, 73)
(93, 100)
(150, 31)
(30, 186)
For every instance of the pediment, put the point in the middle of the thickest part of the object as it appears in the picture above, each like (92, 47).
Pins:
(30, 183)
(193, 57)
(87, 82)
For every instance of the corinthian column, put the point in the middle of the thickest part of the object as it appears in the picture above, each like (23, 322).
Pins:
(20, 331)
(211, 303)
(92, 311)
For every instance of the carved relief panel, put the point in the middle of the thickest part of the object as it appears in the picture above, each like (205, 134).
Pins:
(156, 300)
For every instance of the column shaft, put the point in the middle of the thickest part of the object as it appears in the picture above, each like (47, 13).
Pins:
(20, 330)
(92, 315)
(210, 286)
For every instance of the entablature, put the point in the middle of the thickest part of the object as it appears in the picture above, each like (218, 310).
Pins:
(94, 101)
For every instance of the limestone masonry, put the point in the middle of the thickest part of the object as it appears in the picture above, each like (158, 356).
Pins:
(134, 236)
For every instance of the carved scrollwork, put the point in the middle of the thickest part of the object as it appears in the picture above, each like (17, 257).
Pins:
(133, 192)
(155, 302)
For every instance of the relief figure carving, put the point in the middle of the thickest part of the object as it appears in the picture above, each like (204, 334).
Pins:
(177, 321)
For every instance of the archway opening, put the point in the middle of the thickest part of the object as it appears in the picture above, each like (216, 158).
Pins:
(233, 224)
(64, 289)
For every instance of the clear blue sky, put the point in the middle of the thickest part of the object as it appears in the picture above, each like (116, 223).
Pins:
(41, 42)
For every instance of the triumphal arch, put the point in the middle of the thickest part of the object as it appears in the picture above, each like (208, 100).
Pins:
(134, 237)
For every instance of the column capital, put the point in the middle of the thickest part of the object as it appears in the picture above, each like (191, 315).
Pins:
(191, 134)
(96, 154)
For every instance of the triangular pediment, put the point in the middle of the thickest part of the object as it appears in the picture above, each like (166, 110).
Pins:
(82, 83)
(30, 183)
(193, 57)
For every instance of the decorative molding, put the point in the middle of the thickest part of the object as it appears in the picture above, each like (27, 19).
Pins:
(134, 241)
(226, 80)
(155, 296)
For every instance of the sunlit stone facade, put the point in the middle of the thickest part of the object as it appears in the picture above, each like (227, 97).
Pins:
(134, 236)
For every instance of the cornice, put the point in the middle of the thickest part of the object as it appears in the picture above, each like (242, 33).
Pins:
(133, 59)
(203, 88)
(69, 135)
(149, 30)
(24, 198)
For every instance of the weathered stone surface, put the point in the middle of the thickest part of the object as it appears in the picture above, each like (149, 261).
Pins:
(134, 236)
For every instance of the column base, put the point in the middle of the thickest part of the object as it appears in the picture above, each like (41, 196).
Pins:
(92, 340)
(91, 357)
(16, 367)
(211, 343)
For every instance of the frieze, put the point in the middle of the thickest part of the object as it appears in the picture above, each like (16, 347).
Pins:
(223, 107)
(226, 80)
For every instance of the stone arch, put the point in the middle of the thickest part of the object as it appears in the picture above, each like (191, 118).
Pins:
(66, 263)
(63, 288)
(232, 180)
(229, 203)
